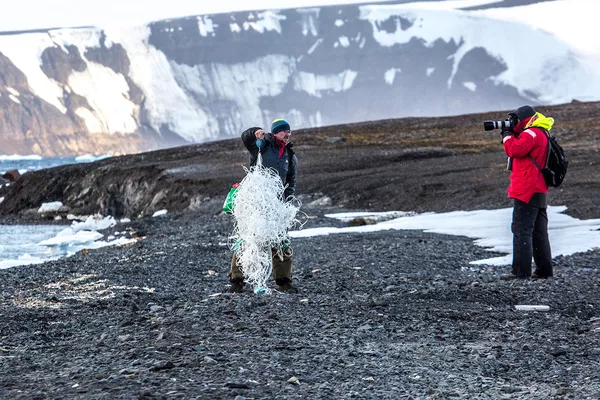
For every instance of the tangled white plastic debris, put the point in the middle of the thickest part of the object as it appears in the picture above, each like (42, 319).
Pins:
(262, 220)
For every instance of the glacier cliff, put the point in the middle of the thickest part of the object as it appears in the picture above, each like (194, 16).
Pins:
(202, 78)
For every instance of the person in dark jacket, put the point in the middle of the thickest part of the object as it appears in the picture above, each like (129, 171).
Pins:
(526, 141)
(277, 153)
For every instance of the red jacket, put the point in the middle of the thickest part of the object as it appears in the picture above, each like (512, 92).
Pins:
(526, 179)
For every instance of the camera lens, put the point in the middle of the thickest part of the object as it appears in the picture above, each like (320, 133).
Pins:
(489, 125)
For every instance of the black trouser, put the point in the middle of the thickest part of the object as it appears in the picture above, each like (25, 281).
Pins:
(530, 238)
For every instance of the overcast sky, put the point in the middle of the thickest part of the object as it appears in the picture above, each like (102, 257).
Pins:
(36, 14)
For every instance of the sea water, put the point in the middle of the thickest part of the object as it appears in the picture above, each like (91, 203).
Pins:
(34, 162)
(19, 244)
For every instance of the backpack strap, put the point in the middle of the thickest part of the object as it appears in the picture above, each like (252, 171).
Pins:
(548, 156)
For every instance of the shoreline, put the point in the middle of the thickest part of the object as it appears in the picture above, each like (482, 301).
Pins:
(385, 315)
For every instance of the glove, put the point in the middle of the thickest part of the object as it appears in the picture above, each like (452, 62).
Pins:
(514, 120)
(260, 143)
(504, 134)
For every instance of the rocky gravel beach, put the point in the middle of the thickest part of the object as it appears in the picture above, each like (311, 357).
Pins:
(384, 315)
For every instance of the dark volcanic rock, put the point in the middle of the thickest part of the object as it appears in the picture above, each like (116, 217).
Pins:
(11, 175)
(387, 315)
(413, 164)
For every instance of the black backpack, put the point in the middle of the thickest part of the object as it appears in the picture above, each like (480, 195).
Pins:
(556, 164)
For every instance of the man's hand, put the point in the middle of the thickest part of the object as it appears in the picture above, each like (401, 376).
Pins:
(259, 134)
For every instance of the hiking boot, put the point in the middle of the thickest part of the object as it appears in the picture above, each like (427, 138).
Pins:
(510, 277)
(285, 285)
(535, 276)
(237, 286)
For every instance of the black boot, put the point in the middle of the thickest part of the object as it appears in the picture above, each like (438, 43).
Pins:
(538, 275)
(285, 285)
(511, 276)
(237, 286)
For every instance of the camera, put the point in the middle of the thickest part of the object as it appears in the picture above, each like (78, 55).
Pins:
(508, 124)
(504, 125)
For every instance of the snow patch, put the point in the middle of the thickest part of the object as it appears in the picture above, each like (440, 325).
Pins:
(267, 21)
(240, 85)
(82, 38)
(107, 92)
(390, 75)
(489, 228)
(314, 46)
(475, 30)
(12, 91)
(315, 85)
(167, 103)
(92, 122)
(25, 52)
(206, 26)
(470, 85)
(309, 20)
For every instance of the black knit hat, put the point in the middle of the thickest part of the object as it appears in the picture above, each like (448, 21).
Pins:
(525, 112)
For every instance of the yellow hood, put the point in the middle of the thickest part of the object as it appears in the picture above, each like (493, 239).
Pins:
(541, 121)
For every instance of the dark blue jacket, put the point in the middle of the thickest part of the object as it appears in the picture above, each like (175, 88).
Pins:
(285, 165)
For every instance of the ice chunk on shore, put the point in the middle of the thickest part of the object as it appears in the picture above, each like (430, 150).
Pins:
(53, 206)
(94, 223)
(68, 237)
(159, 213)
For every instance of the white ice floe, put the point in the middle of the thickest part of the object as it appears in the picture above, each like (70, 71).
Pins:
(53, 206)
(489, 228)
(159, 213)
(77, 237)
(94, 222)
(69, 238)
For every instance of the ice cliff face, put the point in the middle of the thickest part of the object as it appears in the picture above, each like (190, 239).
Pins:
(201, 78)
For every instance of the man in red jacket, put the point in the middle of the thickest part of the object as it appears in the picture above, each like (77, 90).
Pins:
(525, 142)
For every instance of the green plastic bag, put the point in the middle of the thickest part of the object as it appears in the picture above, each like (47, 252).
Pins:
(228, 205)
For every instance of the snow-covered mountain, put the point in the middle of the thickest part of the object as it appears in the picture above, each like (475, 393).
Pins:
(202, 78)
